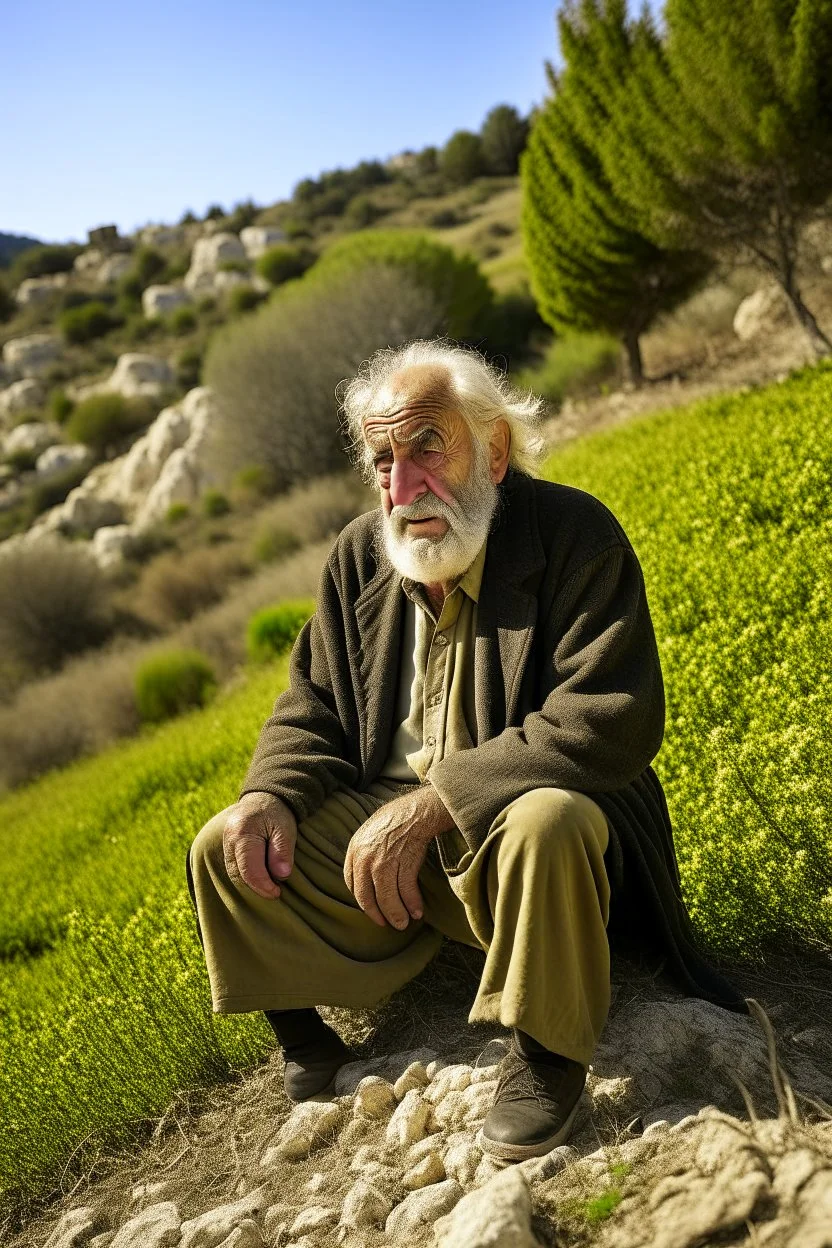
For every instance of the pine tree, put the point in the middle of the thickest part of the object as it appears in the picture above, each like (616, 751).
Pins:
(723, 137)
(503, 134)
(591, 267)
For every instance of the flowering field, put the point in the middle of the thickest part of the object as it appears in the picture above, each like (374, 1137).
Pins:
(104, 1002)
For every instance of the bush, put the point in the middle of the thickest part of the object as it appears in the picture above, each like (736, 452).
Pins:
(148, 264)
(455, 281)
(575, 364)
(102, 420)
(174, 588)
(273, 542)
(462, 158)
(275, 373)
(8, 305)
(273, 630)
(168, 684)
(511, 325)
(504, 133)
(188, 367)
(283, 262)
(61, 405)
(53, 602)
(361, 211)
(87, 322)
(182, 320)
(215, 503)
(44, 260)
(244, 299)
(177, 512)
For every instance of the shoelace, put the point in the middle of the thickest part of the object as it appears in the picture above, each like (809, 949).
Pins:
(520, 1080)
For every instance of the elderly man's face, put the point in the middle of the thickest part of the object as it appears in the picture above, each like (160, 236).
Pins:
(438, 485)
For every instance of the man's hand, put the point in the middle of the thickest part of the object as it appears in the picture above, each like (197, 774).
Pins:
(259, 842)
(386, 853)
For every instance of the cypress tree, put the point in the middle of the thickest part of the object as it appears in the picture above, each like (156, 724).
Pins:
(591, 267)
(723, 137)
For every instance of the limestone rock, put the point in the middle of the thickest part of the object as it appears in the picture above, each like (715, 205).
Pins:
(374, 1098)
(138, 374)
(31, 356)
(462, 1156)
(111, 544)
(227, 279)
(82, 512)
(155, 1227)
(409, 1120)
(259, 238)
(316, 1183)
(429, 1169)
(58, 458)
(365, 1205)
(308, 1125)
(74, 1228)
(486, 1170)
(32, 438)
(766, 309)
(20, 395)
(88, 261)
(246, 1235)
(422, 1208)
(211, 1228)
(114, 268)
(539, 1169)
(34, 290)
(450, 1079)
(162, 236)
(162, 300)
(208, 254)
(497, 1215)
(414, 1077)
(316, 1218)
(101, 1241)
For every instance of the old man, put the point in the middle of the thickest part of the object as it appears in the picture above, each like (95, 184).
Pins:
(463, 750)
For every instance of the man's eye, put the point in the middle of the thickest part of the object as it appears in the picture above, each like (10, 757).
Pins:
(382, 463)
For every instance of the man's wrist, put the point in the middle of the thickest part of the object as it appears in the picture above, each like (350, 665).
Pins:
(440, 819)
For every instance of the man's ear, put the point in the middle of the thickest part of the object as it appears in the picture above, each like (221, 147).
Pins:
(499, 450)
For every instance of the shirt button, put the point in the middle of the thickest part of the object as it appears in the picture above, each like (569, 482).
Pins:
(431, 741)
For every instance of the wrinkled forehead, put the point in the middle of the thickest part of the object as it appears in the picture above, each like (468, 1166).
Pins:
(412, 396)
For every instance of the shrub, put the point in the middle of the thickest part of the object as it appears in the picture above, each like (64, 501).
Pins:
(44, 260)
(22, 460)
(461, 290)
(504, 133)
(148, 264)
(53, 602)
(87, 322)
(575, 364)
(444, 219)
(168, 684)
(61, 405)
(273, 542)
(102, 420)
(274, 375)
(215, 503)
(188, 367)
(273, 630)
(175, 587)
(362, 211)
(462, 158)
(244, 299)
(8, 305)
(282, 262)
(177, 512)
(182, 320)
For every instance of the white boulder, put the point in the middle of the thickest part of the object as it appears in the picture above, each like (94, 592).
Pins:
(207, 256)
(34, 290)
(31, 356)
(497, 1215)
(58, 458)
(162, 300)
(189, 470)
(162, 236)
(259, 238)
(114, 268)
(309, 1124)
(374, 1098)
(20, 395)
(421, 1209)
(88, 261)
(31, 438)
(227, 279)
(365, 1205)
(74, 1227)
(82, 512)
(155, 1227)
(139, 374)
(211, 1228)
(136, 472)
(409, 1121)
(111, 544)
(767, 309)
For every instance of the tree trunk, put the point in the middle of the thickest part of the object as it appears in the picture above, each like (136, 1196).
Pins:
(632, 347)
(818, 341)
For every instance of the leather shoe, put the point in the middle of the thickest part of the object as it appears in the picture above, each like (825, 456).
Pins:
(309, 1074)
(535, 1104)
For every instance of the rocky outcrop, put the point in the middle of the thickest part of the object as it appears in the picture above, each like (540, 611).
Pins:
(31, 438)
(162, 236)
(259, 238)
(35, 290)
(207, 256)
(19, 396)
(135, 374)
(162, 300)
(31, 356)
(114, 268)
(59, 458)
(766, 310)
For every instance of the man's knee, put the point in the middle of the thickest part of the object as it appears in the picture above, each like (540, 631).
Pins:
(554, 820)
(207, 845)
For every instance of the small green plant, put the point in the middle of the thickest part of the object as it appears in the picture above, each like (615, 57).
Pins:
(215, 503)
(273, 543)
(177, 512)
(182, 320)
(168, 684)
(61, 406)
(102, 420)
(255, 480)
(273, 630)
(22, 461)
(574, 364)
(282, 262)
(244, 299)
(189, 367)
(89, 321)
(602, 1206)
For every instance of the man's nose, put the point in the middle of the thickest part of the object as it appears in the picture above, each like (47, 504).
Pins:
(407, 482)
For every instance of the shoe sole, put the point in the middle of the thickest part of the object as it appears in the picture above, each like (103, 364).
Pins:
(325, 1094)
(520, 1152)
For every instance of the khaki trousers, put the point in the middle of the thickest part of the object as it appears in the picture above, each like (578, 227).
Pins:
(535, 897)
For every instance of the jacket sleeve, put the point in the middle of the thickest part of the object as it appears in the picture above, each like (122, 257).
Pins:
(301, 753)
(602, 715)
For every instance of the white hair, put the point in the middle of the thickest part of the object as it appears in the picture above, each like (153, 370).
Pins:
(481, 392)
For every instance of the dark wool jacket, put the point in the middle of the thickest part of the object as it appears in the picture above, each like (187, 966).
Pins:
(568, 691)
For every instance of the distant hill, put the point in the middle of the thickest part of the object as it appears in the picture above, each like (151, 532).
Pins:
(12, 244)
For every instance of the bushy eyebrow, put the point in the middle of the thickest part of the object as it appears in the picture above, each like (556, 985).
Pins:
(379, 443)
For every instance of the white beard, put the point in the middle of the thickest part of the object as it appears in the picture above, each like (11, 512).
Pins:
(445, 558)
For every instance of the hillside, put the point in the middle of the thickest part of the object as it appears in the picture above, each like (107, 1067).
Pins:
(108, 1016)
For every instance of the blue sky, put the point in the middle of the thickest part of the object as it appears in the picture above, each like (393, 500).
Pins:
(133, 113)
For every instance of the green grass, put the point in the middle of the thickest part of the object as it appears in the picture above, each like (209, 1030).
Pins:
(104, 1002)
